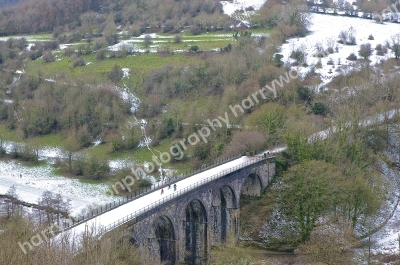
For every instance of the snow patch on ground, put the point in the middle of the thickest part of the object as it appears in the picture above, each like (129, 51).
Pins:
(36, 180)
(145, 141)
(30, 38)
(129, 97)
(130, 47)
(152, 35)
(120, 163)
(47, 153)
(51, 80)
(386, 240)
(133, 45)
(127, 72)
(7, 101)
(97, 142)
(30, 45)
(64, 46)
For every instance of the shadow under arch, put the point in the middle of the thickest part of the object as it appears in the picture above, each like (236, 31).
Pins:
(252, 186)
(225, 218)
(195, 227)
(162, 241)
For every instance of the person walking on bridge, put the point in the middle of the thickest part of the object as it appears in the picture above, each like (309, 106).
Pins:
(175, 187)
(162, 191)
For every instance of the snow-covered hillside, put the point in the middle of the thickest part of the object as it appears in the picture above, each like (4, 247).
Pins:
(325, 30)
(230, 7)
(245, 6)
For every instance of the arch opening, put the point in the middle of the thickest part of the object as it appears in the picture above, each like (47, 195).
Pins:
(128, 238)
(162, 241)
(195, 227)
(252, 186)
(225, 220)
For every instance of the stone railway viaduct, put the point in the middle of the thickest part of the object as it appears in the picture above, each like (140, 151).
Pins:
(182, 230)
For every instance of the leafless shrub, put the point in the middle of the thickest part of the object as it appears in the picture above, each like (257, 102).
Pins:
(48, 57)
(347, 37)
(381, 50)
(78, 61)
(178, 38)
(352, 57)
(245, 141)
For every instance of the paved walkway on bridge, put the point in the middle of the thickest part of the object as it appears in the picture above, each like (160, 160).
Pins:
(114, 215)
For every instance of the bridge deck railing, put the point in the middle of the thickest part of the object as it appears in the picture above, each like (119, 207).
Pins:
(133, 215)
(135, 195)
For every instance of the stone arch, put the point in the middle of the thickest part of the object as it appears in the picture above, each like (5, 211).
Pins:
(252, 186)
(224, 213)
(162, 241)
(130, 238)
(195, 231)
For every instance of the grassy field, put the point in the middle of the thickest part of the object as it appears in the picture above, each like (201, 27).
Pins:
(51, 140)
(30, 38)
(6, 134)
(249, 255)
(97, 71)
(206, 41)
(139, 64)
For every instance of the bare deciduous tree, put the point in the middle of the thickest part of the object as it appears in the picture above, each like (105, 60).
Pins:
(11, 205)
(54, 206)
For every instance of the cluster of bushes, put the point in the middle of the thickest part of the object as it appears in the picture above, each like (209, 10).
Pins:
(99, 47)
(93, 167)
(210, 76)
(103, 54)
(51, 107)
(119, 175)
(24, 152)
(17, 49)
(290, 22)
(299, 56)
(62, 35)
(124, 140)
(347, 37)
(10, 48)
